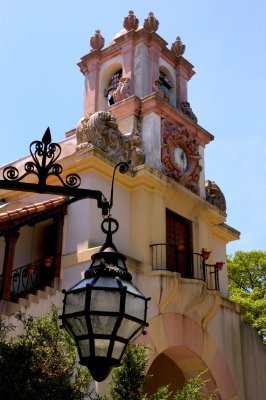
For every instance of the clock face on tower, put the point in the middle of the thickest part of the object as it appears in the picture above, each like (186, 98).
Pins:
(181, 158)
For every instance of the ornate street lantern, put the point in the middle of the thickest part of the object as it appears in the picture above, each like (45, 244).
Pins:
(104, 311)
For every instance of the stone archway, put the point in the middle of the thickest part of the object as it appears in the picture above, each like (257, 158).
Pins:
(164, 371)
(191, 349)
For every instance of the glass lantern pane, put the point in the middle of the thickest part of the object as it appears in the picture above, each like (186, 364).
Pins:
(106, 282)
(78, 325)
(103, 324)
(82, 284)
(135, 306)
(101, 347)
(84, 346)
(75, 302)
(127, 328)
(117, 350)
(131, 288)
(139, 332)
(104, 300)
(68, 330)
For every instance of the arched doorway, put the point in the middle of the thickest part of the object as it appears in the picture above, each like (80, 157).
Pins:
(164, 371)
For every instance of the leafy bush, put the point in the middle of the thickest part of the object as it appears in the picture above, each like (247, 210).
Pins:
(40, 364)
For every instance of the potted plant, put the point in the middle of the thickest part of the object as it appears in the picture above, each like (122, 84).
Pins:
(205, 253)
(48, 262)
(31, 268)
(219, 265)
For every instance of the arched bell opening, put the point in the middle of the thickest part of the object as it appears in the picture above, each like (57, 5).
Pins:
(167, 83)
(109, 80)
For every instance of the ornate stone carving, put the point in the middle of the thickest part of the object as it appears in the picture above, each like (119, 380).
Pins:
(158, 88)
(101, 130)
(122, 91)
(178, 48)
(214, 195)
(187, 110)
(173, 136)
(131, 22)
(97, 41)
(151, 23)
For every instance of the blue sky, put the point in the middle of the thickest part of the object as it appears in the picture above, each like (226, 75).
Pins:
(41, 86)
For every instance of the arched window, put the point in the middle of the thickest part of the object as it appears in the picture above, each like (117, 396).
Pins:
(113, 83)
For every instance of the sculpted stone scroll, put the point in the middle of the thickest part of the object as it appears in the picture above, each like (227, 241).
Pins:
(187, 110)
(158, 88)
(122, 91)
(179, 137)
(214, 195)
(101, 130)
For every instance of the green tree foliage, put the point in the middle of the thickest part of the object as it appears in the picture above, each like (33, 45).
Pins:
(192, 390)
(40, 364)
(128, 380)
(246, 278)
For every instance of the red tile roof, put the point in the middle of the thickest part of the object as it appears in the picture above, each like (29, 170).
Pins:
(31, 209)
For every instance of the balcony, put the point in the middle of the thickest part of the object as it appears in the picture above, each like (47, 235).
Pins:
(30, 277)
(190, 265)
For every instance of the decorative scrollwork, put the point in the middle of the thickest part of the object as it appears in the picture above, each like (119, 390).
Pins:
(30, 167)
(44, 155)
(57, 169)
(73, 180)
(10, 173)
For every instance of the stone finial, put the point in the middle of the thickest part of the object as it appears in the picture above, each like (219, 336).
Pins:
(131, 22)
(151, 23)
(178, 48)
(97, 41)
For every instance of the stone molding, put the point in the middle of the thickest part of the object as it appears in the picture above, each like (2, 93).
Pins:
(153, 103)
(172, 136)
(101, 130)
(214, 195)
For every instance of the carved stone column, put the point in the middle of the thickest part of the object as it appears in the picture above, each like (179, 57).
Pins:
(11, 238)
(181, 84)
(59, 222)
(91, 87)
(153, 57)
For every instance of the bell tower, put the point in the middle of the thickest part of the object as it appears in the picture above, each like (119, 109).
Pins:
(143, 84)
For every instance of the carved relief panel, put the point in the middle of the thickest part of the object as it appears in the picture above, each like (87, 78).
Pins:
(180, 155)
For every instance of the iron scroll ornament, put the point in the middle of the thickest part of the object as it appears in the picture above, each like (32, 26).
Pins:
(44, 155)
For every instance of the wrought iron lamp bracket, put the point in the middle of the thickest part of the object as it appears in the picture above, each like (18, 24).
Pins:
(43, 165)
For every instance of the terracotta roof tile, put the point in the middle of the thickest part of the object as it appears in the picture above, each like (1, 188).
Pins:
(31, 209)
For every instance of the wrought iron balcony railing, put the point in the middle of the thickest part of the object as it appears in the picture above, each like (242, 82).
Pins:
(189, 265)
(29, 277)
